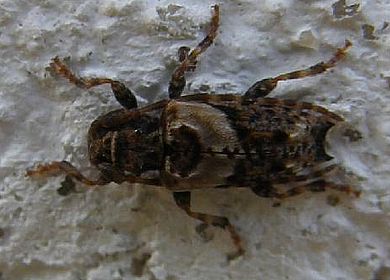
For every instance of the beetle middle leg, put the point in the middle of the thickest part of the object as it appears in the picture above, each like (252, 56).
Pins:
(265, 86)
(183, 200)
(122, 94)
(189, 59)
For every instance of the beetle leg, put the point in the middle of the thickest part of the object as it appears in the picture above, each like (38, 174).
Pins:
(189, 60)
(182, 54)
(268, 190)
(122, 94)
(312, 175)
(322, 185)
(57, 167)
(183, 200)
(265, 86)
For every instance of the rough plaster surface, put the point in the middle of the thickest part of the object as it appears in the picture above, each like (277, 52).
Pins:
(135, 232)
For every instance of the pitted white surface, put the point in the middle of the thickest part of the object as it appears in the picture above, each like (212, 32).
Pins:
(135, 232)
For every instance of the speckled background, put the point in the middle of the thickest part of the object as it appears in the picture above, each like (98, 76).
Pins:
(136, 232)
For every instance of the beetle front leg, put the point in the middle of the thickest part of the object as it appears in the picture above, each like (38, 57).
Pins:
(122, 94)
(108, 174)
(183, 200)
(189, 59)
(265, 86)
(56, 167)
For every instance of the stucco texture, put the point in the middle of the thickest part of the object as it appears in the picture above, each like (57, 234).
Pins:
(137, 232)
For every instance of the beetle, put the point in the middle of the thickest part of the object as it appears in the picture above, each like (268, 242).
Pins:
(203, 141)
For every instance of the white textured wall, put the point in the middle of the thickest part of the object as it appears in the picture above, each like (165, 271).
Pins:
(135, 232)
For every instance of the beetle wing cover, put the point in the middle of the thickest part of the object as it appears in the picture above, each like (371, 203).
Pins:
(214, 141)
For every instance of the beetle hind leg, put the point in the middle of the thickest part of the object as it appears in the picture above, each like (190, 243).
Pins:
(189, 59)
(268, 190)
(122, 94)
(322, 185)
(183, 200)
(265, 86)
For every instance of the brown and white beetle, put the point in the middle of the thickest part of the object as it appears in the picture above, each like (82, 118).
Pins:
(209, 141)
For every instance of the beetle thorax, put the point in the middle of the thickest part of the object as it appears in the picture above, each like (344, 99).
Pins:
(133, 149)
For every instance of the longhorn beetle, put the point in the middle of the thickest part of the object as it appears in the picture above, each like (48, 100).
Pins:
(206, 141)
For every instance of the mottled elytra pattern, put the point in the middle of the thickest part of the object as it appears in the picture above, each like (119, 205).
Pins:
(275, 147)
